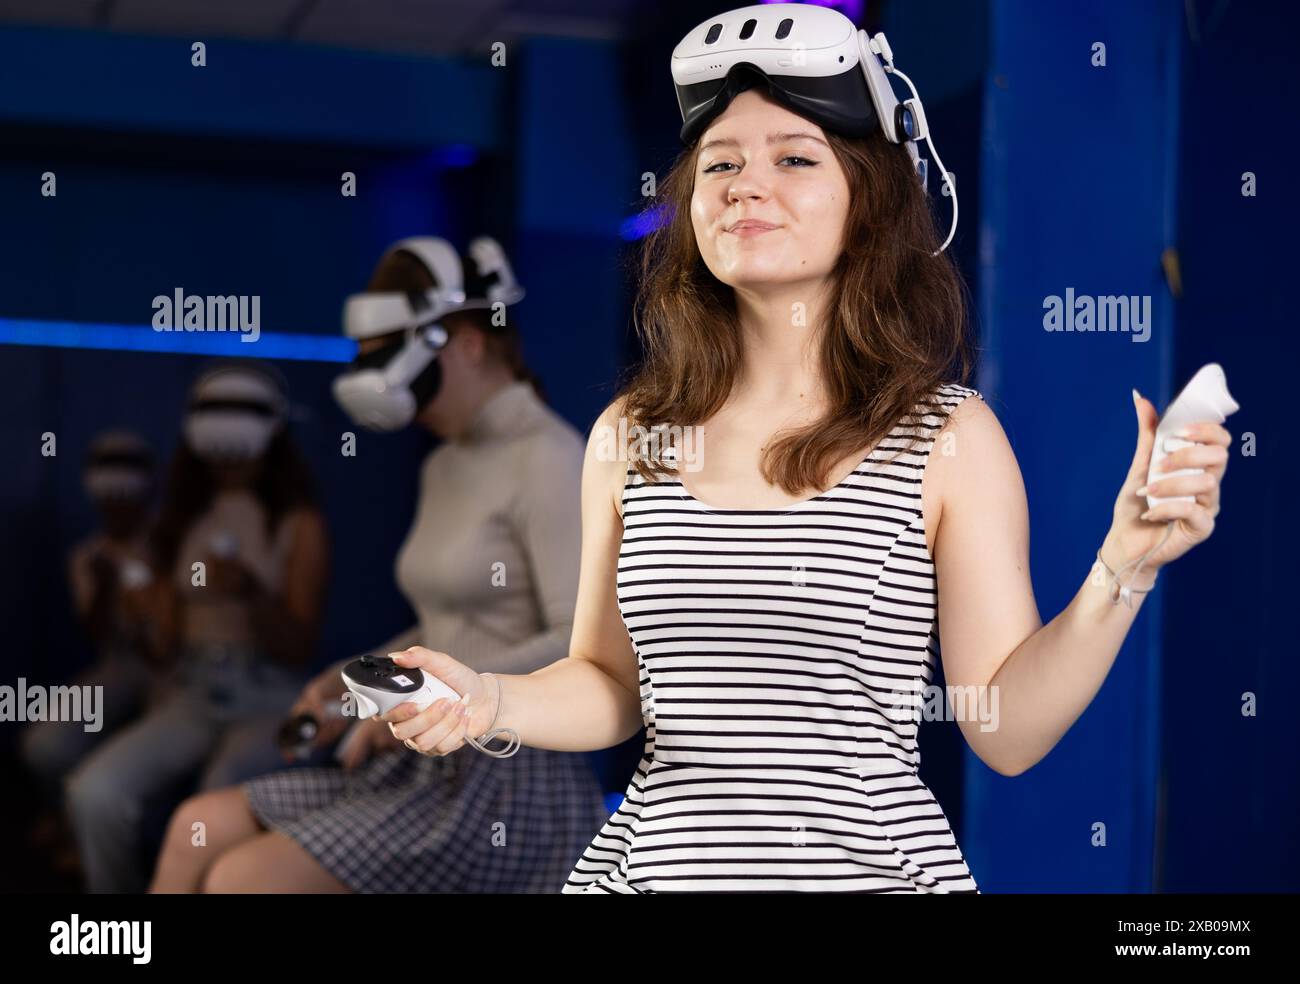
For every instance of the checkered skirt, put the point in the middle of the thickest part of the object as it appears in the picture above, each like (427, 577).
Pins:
(404, 822)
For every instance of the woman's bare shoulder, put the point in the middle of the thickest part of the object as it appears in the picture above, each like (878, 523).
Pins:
(971, 443)
(606, 459)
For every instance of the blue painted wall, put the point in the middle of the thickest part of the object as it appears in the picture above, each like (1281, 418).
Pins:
(1232, 781)
(1079, 166)
(245, 89)
(1089, 174)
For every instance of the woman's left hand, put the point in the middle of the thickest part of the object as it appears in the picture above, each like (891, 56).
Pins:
(1135, 529)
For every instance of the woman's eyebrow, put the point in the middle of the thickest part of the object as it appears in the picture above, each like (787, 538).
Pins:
(719, 142)
(772, 138)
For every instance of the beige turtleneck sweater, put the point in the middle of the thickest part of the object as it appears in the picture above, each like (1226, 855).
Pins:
(490, 564)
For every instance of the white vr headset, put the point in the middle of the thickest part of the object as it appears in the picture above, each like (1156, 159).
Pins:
(119, 465)
(811, 59)
(234, 411)
(386, 397)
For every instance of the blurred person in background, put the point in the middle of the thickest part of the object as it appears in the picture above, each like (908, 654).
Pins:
(490, 565)
(241, 558)
(108, 576)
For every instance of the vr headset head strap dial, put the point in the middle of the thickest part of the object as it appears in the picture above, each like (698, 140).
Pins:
(496, 278)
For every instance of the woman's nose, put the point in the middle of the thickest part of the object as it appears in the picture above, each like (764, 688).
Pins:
(745, 187)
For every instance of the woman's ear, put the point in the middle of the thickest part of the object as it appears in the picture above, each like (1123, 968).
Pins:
(474, 346)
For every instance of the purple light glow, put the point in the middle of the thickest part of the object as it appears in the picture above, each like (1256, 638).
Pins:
(644, 223)
(852, 9)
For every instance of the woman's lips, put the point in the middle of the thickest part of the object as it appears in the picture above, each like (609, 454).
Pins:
(750, 227)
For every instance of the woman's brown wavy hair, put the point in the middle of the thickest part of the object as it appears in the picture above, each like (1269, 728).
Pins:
(896, 326)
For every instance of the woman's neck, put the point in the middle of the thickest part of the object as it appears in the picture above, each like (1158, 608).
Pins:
(781, 360)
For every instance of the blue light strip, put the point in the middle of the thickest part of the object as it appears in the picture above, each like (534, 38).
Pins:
(143, 338)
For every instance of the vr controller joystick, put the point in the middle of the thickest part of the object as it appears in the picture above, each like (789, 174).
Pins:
(379, 685)
(1205, 397)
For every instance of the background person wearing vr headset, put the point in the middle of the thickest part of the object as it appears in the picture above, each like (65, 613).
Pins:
(773, 625)
(490, 566)
(239, 629)
(108, 573)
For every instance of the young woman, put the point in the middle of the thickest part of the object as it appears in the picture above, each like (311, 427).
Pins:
(491, 567)
(242, 560)
(105, 574)
(771, 609)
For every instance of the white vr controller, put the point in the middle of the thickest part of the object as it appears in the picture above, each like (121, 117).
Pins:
(1205, 397)
(379, 685)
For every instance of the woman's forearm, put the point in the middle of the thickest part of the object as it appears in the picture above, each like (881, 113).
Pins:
(1051, 677)
(572, 705)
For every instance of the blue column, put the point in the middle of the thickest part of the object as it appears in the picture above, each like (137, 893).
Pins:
(1078, 186)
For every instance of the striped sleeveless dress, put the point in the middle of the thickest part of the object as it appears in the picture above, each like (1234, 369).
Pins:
(783, 655)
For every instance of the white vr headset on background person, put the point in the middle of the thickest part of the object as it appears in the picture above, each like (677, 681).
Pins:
(385, 388)
(234, 411)
(814, 61)
(119, 466)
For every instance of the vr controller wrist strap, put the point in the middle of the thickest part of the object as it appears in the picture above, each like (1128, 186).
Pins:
(512, 741)
(1124, 591)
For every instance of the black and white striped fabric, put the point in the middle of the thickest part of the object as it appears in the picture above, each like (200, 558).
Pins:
(784, 655)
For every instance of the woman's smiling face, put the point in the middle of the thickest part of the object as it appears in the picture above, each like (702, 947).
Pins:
(770, 198)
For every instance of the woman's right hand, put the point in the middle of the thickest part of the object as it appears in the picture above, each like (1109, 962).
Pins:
(443, 726)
